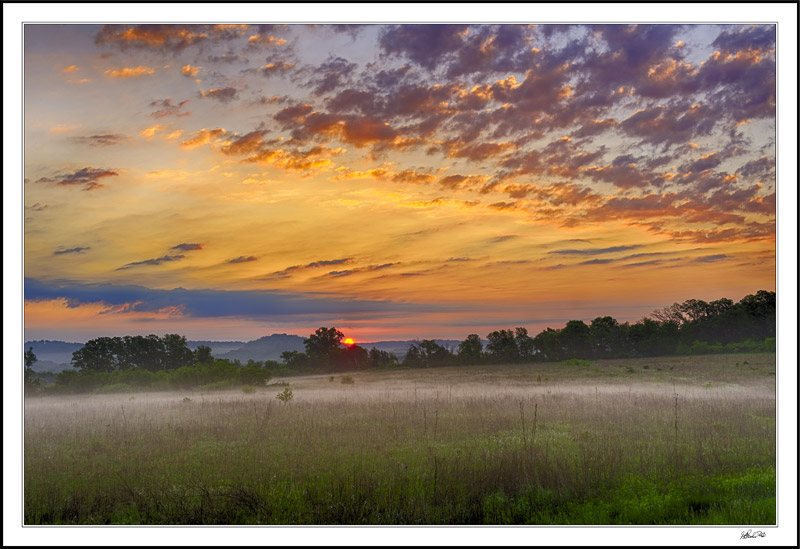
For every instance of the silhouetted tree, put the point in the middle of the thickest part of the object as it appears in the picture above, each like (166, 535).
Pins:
(324, 344)
(575, 338)
(203, 355)
(31, 381)
(470, 351)
(502, 346)
(378, 358)
(548, 345)
(605, 337)
(176, 352)
(352, 358)
(525, 345)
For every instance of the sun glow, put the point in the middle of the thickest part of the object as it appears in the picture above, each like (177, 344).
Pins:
(349, 341)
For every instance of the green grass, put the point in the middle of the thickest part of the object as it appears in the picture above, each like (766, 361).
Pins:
(515, 444)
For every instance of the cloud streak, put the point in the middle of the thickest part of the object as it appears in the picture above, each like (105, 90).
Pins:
(89, 177)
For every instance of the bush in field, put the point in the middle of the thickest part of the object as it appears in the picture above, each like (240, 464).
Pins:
(286, 395)
(576, 362)
(348, 380)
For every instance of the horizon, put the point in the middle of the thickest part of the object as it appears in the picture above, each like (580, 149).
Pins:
(226, 181)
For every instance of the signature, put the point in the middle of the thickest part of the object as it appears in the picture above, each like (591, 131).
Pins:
(750, 534)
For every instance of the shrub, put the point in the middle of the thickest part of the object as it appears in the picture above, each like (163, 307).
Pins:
(576, 362)
(286, 395)
(348, 380)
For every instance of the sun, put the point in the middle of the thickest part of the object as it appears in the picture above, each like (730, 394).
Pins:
(349, 341)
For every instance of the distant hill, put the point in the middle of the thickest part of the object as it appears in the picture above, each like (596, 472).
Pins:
(265, 348)
(54, 356)
(399, 348)
(218, 348)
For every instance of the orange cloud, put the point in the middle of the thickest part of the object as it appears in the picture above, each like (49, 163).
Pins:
(260, 40)
(148, 133)
(129, 72)
(70, 68)
(188, 70)
(201, 137)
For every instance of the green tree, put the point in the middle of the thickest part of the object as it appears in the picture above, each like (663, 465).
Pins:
(413, 356)
(97, 355)
(352, 358)
(30, 358)
(548, 344)
(31, 381)
(470, 351)
(203, 355)
(434, 354)
(380, 359)
(324, 344)
(176, 352)
(605, 337)
(294, 360)
(146, 352)
(525, 345)
(576, 339)
(502, 346)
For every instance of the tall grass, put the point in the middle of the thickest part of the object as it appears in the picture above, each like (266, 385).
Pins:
(487, 445)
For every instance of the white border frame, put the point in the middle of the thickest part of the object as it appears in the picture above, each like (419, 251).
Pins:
(785, 14)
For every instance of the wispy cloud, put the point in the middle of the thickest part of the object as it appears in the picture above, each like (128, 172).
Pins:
(129, 72)
(165, 108)
(155, 261)
(89, 177)
(242, 259)
(187, 247)
(710, 258)
(596, 251)
(223, 95)
(100, 140)
(76, 250)
(338, 274)
(313, 265)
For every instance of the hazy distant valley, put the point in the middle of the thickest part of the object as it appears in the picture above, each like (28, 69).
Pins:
(55, 356)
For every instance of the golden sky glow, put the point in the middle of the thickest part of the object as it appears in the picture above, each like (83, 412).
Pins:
(231, 181)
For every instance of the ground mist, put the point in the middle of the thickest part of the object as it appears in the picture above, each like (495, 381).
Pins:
(677, 440)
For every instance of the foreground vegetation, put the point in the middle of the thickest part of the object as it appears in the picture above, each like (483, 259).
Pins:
(672, 440)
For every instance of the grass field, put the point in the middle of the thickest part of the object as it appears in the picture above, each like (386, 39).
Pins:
(677, 440)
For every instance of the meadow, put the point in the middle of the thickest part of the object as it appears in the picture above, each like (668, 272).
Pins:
(673, 440)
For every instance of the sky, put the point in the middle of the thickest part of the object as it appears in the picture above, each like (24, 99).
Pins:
(229, 181)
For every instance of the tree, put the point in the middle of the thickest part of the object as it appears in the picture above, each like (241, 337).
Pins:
(548, 344)
(379, 359)
(30, 358)
(413, 356)
(470, 351)
(434, 354)
(97, 355)
(324, 344)
(576, 339)
(31, 382)
(605, 337)
(176, 352)
(203, 355)
(673, 313)
(146, 352)
(695, 309)
(295, 360)
(352, 358)
(502, 346)
(525, 345)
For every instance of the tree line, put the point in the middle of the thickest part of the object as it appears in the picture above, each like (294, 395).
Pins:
(691, 327)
